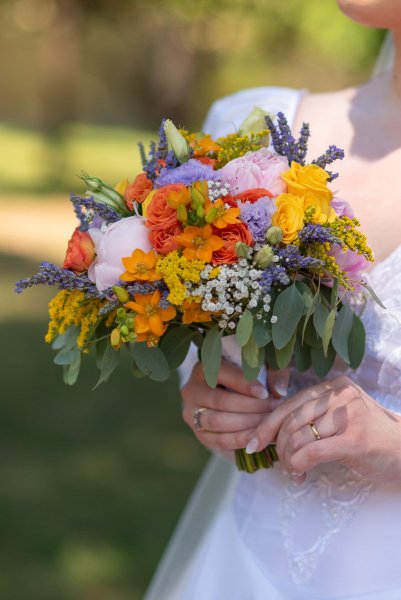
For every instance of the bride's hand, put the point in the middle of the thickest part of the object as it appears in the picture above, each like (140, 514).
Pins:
(221, 418)
(355, 430)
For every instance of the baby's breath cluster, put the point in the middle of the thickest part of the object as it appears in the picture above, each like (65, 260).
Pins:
(235, 289)
(217, 189)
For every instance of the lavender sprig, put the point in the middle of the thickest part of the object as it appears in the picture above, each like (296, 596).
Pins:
(332, 153)
(63, 279)
(313, 233)
(90, 204)
(293, 260)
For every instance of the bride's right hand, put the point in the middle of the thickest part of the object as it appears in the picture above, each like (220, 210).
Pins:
(229, 415)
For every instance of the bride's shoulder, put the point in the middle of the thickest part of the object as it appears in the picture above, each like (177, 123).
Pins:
(226, 114)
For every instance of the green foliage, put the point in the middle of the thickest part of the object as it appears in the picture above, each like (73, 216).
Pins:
(356, 342)
(211, 355)
(175, 345)
(288, 308)
(341, 332)
(151, 361)
(244, 328)
(110, 361)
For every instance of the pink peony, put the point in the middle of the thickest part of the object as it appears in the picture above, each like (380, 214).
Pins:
(342, 208)
(260, 169)
(119, 240)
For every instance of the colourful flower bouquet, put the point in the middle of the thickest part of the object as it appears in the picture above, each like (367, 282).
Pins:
(214, 238)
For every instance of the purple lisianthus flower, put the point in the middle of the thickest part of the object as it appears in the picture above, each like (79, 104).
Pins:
(187, 173)
(342, 208)
(258, 216)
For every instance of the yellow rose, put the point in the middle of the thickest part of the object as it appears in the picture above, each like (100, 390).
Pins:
(324, 213)
(146, 202)
(309, 178)
(289, 216)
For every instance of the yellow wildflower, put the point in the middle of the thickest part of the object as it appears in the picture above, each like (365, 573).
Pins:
(176, 270)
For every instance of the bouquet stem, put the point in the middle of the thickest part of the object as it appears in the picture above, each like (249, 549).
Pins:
(259, 460)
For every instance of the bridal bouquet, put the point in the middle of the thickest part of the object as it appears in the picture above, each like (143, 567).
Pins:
(214, 238)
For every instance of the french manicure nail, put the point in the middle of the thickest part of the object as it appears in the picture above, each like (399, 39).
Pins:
(259, 391)
(252, 446)
(281, 388)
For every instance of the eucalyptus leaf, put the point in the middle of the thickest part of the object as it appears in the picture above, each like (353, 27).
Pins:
(110, 360)
(101, 346)
(71, 371)
(328, 329)
(302, 354)
(288, 308)
(151, 361)
(310, 336)
(309, 313)
(356, 342)
(66, 357)
(211, 355)
(252, 373)
(175, 345)
(261, 332)
(334, 294)
(319, 318)
(244, 328)
(284, 355)
(136, 371)
(270, 356)
(250, 352)
(62, 339)
(306, 293)
(342, 329)
(321, 363)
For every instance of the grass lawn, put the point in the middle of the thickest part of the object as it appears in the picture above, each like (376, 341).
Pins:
(91, 483)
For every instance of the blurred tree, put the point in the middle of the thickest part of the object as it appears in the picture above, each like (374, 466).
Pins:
(131, 61)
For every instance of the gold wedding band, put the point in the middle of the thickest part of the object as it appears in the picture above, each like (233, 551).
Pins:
(315, 431)
(197, 418)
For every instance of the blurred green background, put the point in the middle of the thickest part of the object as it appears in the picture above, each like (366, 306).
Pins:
(92, 483)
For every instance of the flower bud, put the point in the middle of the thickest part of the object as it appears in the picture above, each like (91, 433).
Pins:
(274, 235)
(198, 198)
(121, 293)
(242, 249)
(176, 142)
(254, 122)
(182, 214)
(264, 257)
(211, 215)
(200, 212)
(115, 338)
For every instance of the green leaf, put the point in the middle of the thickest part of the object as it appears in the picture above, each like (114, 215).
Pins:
(110, 360)
(334, 294)
(307, 294)
(356, 343)
(211, 355)
(262, 333)
(244, 328)
(251, 373)
(151, 361)
(310, 336)
(373, 294)
(66, 357)
(250, 352)
(328, 329)
(175, 345)
(309, 312)
(101, 346)
(270, 354)
(342, 329)
(321, 363)
(136, 371)
(302, 355)
(71, 371)
(319, 318)
(284, 355)
(288, 308)
(61, 340)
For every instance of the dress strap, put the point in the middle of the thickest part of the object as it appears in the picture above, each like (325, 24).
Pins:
(226, 114)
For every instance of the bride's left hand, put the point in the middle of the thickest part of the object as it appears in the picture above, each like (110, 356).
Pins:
(355, 430)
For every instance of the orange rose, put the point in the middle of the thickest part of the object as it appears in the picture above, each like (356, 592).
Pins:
(231, 235)
(253, 195)
(137, 190)
(205, 160)
(160, 215)
(164, 240)
(80, 252)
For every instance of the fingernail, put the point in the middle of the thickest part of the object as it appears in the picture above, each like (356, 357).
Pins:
(296, 474)
(281, 388)
(259, 391)
(252, 446)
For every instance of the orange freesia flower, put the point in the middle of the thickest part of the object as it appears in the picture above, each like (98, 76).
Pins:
(150, 317)
(180, 195)
(199, 242)
(193, 313)
(140, 266)
(224, 216)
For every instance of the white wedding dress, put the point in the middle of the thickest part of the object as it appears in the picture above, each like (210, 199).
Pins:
(261, 537)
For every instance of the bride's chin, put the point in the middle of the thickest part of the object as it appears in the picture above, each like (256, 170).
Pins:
(384, 14)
